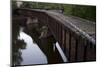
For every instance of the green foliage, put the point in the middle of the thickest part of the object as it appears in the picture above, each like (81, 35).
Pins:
(67, 9)
(14, 4)
(87, 12)
(41, 5)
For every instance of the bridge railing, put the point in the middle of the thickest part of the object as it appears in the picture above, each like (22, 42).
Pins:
(76, 44)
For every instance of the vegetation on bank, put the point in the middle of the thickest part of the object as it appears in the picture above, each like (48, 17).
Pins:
(83, 11)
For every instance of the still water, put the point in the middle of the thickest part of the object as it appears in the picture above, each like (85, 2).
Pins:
(32, 54)
(30, 45)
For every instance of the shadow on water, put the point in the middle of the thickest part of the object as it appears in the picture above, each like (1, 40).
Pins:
(33, 45)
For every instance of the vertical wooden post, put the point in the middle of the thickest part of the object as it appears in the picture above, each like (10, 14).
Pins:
(73, 49)
(67, 44)
(90, 52)
(80, 49)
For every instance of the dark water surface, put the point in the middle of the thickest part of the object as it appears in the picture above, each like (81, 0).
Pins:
(31, 46)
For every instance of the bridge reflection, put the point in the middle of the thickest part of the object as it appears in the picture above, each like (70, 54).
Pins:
(34, 48)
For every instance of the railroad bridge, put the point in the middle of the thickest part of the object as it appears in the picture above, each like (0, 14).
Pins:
(76, 36)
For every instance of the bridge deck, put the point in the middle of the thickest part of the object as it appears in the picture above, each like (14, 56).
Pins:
(84, 25)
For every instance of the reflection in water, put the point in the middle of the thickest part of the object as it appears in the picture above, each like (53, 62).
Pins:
(32, 54)
(20, 44)
(29, 42)
(17, 45)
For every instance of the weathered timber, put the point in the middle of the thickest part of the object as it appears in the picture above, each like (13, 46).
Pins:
(76, 36)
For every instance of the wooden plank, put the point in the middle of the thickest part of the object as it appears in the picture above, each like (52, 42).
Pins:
(73, 49)
(90, 52)
(63, 39)
(67, 44)
(80, 49)
(60, 34)
(57, 31)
